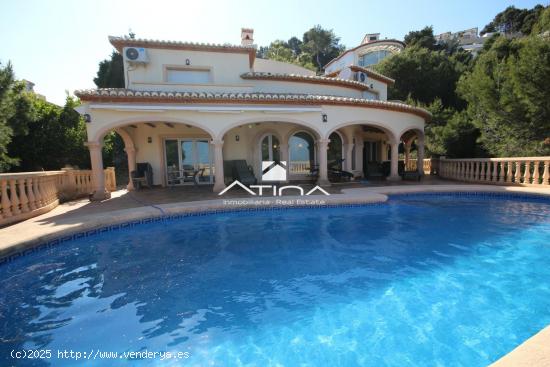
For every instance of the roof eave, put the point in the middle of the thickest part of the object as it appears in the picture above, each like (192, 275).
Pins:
(119, 43)
(121, 95)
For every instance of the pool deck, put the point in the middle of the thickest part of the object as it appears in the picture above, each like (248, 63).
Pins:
(81, 215)
(534, 352)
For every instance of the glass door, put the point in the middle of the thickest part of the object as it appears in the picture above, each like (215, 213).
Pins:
(203, 161)
(270, 149)
(187, 159)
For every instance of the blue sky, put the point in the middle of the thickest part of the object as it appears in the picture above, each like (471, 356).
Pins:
(58, 44)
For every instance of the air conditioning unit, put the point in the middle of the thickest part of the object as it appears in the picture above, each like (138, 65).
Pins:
(136, 55)
(361, 77)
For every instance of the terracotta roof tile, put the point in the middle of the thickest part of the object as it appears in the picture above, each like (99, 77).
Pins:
(127, 95)
(120, 42)
(307, 79)
(373, 74)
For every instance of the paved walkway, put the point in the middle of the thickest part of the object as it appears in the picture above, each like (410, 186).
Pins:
(82, 215)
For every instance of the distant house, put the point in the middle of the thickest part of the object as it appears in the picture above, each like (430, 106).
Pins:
(29, 87)
(190, 108)
(468, 39)
(370, 52)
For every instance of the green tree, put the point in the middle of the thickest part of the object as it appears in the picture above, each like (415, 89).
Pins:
(16, 112)
(6, 111)
(111, 72)
(322, 44)
(55, 138)
(295, 45)
(513, 20)
(422, 38)
(508, 96)
(457, 138)
(280, 51)
(425, 75)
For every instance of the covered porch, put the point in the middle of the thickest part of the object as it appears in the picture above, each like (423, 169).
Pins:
(195, 157)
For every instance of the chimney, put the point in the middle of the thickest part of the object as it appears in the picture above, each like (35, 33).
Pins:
(247, 37)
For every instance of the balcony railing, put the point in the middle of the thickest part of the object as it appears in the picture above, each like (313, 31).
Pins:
(524, 171)
(300, 167)
(28, 194)
(426, 165)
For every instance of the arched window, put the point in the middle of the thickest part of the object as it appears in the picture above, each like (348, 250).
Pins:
(335, 151)
(301, 153)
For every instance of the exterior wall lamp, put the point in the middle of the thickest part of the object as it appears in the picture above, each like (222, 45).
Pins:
(325, 117)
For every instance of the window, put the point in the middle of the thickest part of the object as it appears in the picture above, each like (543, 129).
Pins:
(373, 57)
(302, 153)
(187, 156)
(370, 95)
(271, 151)
(191, 76)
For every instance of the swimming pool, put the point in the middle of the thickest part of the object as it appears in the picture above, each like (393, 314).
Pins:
(420, 280)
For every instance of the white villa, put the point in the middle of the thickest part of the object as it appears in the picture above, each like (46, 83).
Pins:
(189, 106)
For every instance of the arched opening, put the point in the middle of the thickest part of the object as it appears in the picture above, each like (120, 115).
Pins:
(248, 145)
(301, 153)
(115, 155)
(172, 153)
(363, 150)
(411, 151)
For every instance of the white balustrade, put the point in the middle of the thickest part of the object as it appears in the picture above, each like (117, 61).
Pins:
(525, 171)
(28, 194)
(412, 164)
(300, 167)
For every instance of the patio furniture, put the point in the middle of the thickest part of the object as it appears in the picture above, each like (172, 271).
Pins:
(411, 175)
(228, 167)
(338, 174)
(243, 172)
(187, 174)
(313, 171)
(374, 170)
(142, 176)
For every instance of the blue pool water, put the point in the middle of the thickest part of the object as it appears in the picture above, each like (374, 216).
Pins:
(422, 280)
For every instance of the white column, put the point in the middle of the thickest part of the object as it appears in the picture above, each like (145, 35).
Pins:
(219, 177)
(420, 155)
(407, 146)
(394, 174)
(131, 153)
(283, 148)
(322, 145)
(99, 192)
(359, 155)
(348, 151)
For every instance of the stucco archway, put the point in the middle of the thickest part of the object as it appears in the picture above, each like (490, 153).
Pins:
(408, 137)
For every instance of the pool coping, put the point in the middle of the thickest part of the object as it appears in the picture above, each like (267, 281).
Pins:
(528, 353)
(14, 243)
(533, 352)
